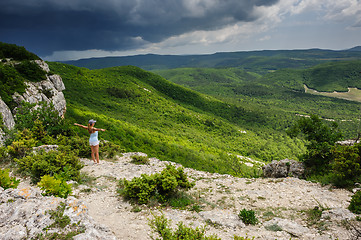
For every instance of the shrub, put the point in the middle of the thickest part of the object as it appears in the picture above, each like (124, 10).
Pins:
(50, 163)
(24, 141)
(161, 185)
(31, 71)
(355, 204)
(10, 82)
(3, 153)
(79, 145)
(248, 217)
(242, 238)
(160, 225)
(55, 186)
(6, 181)
(53, 124)
(110, 150)
(346, 165)
(314, 215)
(136, 159)
(321, 138)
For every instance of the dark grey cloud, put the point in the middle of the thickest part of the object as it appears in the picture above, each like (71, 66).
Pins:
(44, 26)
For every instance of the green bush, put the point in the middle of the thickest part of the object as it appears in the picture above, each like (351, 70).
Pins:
(10, 82)
(3, 153)
(6, 181)
(321, 138)
(50, 163)
(248, 217)
(24, 141)
(161, 185)
(45, 113)
(109, 149)
(355, 204)
(346, 165)
(76, 144)
(54, 186)
(242, 238)
(161, 226)
(31, 71)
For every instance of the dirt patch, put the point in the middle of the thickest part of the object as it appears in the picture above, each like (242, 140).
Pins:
(353, 94)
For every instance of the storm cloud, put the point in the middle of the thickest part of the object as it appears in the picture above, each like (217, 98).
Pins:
(45, 26)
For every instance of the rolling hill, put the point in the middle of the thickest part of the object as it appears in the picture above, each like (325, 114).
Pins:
(144, 112)
(254, 61)
(280, 95)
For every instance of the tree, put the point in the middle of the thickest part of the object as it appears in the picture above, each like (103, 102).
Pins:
(321, 138)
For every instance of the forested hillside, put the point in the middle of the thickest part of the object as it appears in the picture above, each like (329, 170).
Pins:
(144, 112)
(254, 61)
(280, 95)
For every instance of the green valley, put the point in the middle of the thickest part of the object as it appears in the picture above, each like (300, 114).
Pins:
(280, 96)
(144, 112)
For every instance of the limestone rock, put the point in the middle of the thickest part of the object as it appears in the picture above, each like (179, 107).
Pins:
(46, 148)
(288, 226)
(58, 82)
(49, 90)
(24, 214)
(338, 214)
(7, 116)
(223, 218)
(43, 65)
(283, 168)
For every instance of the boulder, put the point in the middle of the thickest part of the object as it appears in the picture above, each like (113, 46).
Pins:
(283, 168)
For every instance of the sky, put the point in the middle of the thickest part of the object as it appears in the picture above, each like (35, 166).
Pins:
(58, 30)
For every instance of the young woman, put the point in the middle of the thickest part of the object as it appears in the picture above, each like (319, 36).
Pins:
(93, 140)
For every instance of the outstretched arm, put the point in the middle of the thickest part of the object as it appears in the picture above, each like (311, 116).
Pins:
(99, 129)
(79, 125)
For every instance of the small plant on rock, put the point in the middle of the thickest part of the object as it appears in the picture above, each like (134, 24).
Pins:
(248, 217)
(137, 159)
(161, 226)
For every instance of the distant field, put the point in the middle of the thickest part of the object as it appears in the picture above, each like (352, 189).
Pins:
(353, 94)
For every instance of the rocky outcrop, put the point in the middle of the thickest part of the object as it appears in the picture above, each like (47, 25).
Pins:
(49, 90)
(25, 214)
(283, 168)
(7, 118)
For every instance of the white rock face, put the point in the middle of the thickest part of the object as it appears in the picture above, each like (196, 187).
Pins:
(46, 91)
(49, 90)
(8, 118)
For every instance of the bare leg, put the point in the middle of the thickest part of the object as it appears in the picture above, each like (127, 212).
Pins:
(96, 149)
(93, 148)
